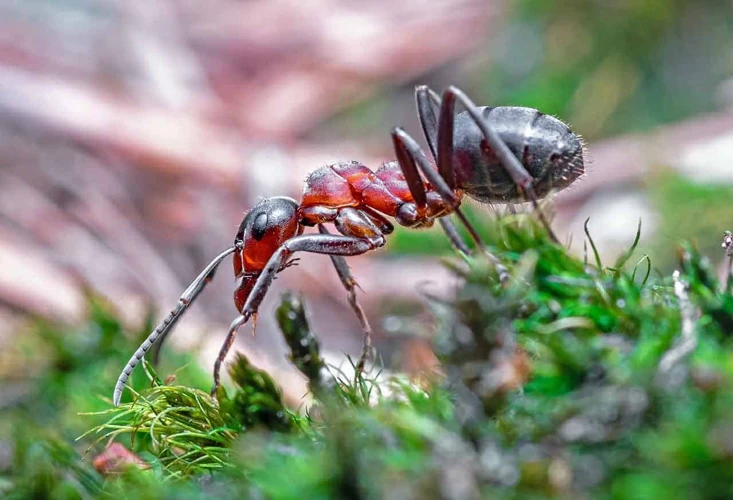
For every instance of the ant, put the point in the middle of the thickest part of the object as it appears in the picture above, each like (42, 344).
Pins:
(493, 155)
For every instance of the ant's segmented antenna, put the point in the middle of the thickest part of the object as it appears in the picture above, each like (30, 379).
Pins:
(186, 299)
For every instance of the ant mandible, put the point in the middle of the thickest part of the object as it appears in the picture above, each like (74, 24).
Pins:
(493, 155)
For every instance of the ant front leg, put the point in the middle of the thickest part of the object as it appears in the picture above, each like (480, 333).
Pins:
(231, 335)
(245, 288)
(313, 243)
(511, 164)
(412, 158)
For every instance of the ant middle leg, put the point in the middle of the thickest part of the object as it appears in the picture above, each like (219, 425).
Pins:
(451, 231)
(347, 279)
(313, 243)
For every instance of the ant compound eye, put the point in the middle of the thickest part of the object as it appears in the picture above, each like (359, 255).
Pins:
(259, 226)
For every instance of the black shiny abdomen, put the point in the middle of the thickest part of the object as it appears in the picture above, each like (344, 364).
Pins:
(548, 149)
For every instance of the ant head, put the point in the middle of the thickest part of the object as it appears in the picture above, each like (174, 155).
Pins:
(267, 216)
(267, 226)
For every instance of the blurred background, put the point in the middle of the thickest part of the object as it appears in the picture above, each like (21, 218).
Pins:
(135, 135)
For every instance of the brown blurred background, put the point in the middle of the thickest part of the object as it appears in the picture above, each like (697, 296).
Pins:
(134, 135)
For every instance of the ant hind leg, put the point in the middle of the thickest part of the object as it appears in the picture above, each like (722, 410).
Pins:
(412, 158)
(511, 164)
(427, 100)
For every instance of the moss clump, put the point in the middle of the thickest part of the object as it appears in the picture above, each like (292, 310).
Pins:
(571, 379)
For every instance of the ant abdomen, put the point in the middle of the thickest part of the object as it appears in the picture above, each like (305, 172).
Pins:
(548, 149)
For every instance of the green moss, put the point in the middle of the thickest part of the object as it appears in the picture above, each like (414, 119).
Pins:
(569, 380)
